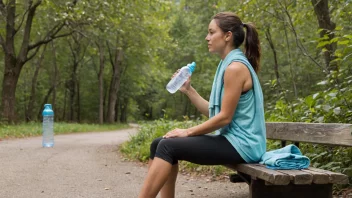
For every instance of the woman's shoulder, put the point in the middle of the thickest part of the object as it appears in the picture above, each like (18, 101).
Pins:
(236, 67)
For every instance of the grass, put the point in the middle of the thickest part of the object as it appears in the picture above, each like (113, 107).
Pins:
(35, 129)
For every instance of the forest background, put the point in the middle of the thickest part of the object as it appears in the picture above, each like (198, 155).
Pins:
(108, 61)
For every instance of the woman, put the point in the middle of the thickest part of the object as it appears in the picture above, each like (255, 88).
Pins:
(235, 111)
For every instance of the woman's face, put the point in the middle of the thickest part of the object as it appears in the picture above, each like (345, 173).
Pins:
(216, 38)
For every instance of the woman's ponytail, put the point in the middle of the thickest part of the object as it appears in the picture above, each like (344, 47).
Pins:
(252, 46)
(228, 21)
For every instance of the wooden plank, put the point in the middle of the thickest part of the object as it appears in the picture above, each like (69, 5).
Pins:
(298, 177)
(258, 189)
(331, 134)
(259, 171)
(334, 178)
(318, 177)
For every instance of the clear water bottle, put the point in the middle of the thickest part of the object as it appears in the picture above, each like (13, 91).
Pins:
(180, 78)
(48, 126)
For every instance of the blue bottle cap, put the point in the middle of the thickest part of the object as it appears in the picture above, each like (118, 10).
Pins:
(48, 105)
(192, 66)
(48, 110)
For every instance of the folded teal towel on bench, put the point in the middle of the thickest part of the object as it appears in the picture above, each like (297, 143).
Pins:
(286, 158)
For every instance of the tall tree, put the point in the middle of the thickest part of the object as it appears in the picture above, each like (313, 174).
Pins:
(30, 106)
(101, 81)
(321, 9)
(116, 64)
(14, 61)
(78, 51)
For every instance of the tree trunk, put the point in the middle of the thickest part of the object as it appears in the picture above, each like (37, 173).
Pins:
(72, 83)
(186, 107)
(321, 9)
(114, 84)
(78, 104)
(64, 108)
(12, 67)
(196, 113)
(101, 82)
(105, 100)
(54, 77)
(45, 101)
(78, 55)
(150, 113)
(117, 108)
(29, 110)
(8, 93)
(293, 75)
(272, 46)
(72, 92)
(123, 111)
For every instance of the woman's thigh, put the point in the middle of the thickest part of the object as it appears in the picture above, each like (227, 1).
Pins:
(204, 149)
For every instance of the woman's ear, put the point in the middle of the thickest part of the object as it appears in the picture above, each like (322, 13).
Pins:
(228, 36)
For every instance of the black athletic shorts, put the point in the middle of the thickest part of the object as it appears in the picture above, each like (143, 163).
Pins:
(204, 150)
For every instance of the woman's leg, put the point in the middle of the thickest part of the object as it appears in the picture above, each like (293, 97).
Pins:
(205, 149)
(157, 176)
(168, 190)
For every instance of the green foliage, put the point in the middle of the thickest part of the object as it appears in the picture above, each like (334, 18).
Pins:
(35, 129)
(332, 105)
(337, 159)
(158, 37)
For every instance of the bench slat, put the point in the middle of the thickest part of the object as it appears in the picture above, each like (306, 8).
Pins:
(334, 178)
(331, 134)
(298, 177)
(318, 177)
(283, 177)
(259, 171)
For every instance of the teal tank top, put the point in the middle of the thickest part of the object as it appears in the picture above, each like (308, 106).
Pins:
(246, 132)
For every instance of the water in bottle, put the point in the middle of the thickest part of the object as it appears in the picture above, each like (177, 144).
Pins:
(48, 126)
(180, 78)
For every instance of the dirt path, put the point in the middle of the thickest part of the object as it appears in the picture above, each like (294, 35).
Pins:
(87, 165)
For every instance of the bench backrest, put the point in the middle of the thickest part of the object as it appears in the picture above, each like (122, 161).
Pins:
(331, 134)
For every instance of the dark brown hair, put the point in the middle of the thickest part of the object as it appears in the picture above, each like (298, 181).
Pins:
(228, 21)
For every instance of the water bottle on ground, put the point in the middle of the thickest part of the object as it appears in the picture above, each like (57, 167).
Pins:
(180, 78)
(48, 126)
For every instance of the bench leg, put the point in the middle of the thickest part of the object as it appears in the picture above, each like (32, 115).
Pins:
(240, 177)
(258, 189)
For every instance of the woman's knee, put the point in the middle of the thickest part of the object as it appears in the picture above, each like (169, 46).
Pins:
(154, 146)
(155, 143)
(165, 151)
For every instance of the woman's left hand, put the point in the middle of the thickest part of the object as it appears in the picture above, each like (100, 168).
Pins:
(176, 133)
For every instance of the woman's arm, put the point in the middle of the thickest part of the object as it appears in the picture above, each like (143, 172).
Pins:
(201, 104)
(236, 74)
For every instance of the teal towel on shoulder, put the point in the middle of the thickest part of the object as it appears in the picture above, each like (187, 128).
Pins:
(286, 158)
(246, 132)
(217, 88)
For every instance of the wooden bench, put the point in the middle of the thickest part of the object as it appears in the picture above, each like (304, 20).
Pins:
(311, 182)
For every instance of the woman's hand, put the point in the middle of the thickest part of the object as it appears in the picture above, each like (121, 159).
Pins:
(186, 86)
(176, 133)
